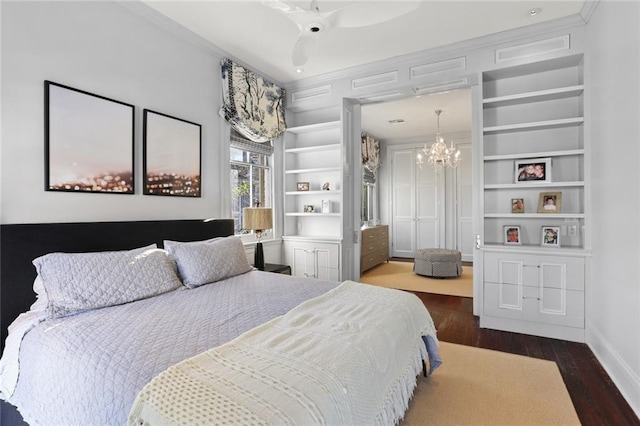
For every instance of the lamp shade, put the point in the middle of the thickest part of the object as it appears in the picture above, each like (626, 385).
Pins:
(257, 218)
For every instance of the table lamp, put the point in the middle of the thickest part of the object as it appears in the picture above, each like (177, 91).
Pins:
(258, 219)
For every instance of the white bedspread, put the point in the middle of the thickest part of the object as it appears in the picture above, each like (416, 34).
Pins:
(349, 356)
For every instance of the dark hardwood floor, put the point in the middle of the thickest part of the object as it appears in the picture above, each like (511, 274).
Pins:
(594, 395)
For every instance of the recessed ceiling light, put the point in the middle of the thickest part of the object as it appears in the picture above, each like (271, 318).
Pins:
(299, 70)
(396, 121)
(535, 12)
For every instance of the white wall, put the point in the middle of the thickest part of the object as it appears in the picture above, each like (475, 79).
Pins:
(613, 329)
(106, 49)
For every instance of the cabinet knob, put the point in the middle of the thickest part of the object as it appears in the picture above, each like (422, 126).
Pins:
(527, 297)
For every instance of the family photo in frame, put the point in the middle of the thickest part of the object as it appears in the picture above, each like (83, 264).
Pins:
(550, 202)
(550, 236)
(517, 205)
(512, 234)
(533, 170)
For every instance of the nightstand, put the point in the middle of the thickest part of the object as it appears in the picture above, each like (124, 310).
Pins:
(278, 269)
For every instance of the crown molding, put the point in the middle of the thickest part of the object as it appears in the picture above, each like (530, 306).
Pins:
(441, 52)
(588, 8)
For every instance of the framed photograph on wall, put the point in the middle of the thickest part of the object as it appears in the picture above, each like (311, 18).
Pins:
(533, 170)
(512, 234)
(517, 205)
(550, 236)
(88, 142)
(171, 155)
(550, 202)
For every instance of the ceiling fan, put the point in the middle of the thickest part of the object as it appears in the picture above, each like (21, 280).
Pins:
(313, 23)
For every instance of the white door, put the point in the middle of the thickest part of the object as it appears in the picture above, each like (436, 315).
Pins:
(403, 204)
(429, 211)
(417, 205)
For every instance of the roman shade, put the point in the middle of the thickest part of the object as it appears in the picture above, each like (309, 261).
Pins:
(252, 105)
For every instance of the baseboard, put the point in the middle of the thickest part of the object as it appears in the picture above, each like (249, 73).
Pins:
(626, 380)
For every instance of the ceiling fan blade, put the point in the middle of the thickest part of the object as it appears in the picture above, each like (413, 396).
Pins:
(282, 6)
(304, 44)
(370, 13)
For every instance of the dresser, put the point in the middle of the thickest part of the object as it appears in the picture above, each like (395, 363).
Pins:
(375, 246)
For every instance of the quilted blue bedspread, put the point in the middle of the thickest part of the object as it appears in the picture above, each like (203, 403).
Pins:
(87, 369)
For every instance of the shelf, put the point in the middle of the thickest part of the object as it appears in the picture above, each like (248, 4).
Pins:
(539, 96)
(315, 127)
(317, 148)
(565, 153)
(535, 215)
(313, 214)
(331, 192)
(316, 170)
(534, 185)
(536, 125)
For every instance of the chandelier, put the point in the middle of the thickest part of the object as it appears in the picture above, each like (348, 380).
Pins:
(439, 154)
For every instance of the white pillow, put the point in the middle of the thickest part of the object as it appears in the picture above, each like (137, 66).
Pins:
(210, 261)
(169, 244)
(76, 282)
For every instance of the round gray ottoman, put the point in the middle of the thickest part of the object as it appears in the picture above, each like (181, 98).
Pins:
(436, 262)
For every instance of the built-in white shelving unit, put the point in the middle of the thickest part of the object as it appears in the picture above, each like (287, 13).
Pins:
(533, 113)
(312, 239)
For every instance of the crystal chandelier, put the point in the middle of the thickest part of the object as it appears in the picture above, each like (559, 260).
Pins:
(439, 154)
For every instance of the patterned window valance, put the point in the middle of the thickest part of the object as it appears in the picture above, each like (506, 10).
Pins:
(252, 105)
(370, 149)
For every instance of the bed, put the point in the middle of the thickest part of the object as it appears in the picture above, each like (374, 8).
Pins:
(110, 358)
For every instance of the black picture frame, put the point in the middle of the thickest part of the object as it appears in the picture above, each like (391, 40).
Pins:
(172, 160)
(89, 142)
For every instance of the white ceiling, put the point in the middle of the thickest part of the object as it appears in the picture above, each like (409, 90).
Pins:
(419, 116)
(263, 39)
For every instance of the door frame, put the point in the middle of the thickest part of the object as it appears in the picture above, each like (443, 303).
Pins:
(472, 83)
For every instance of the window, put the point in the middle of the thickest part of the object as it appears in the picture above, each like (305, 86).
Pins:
(251, 177)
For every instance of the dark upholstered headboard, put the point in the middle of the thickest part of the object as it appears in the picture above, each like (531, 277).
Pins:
(20, 244)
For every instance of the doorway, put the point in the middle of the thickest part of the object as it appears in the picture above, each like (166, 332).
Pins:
(423, 208)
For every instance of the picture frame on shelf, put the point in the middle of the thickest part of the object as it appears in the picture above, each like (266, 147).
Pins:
(302, 186)
(172, 161)
(517, 205)
(532, 170)
(89, 142)
(550, 236)
(326, 206)
(512, 235)
(550, 202)
(308, 208)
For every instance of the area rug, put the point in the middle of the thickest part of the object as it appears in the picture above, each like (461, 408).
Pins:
(400, 275)
(477, 387)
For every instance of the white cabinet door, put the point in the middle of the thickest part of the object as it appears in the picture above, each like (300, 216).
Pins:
(403, 204)
(417, 205)
(313, 259)
(545, 289)
(429, 214)
(302, 261)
